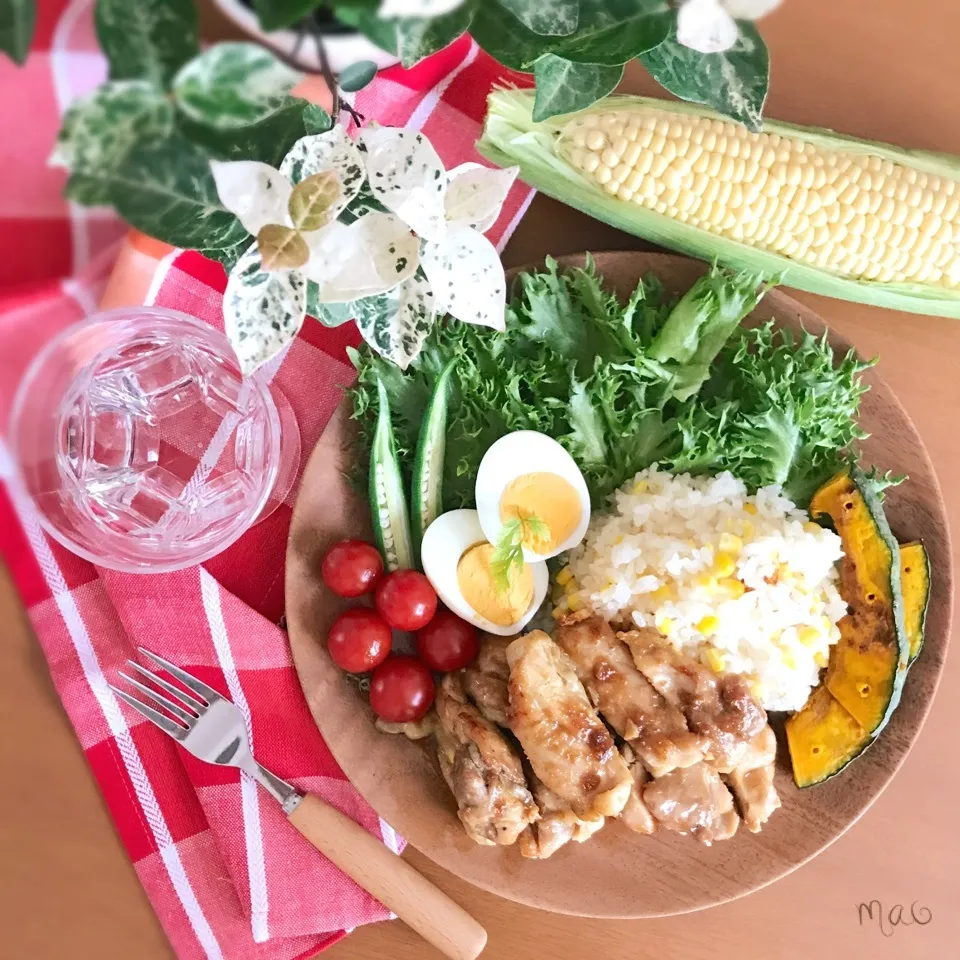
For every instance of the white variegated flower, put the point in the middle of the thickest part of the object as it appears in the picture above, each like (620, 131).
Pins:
(450, 212)
(709, 26)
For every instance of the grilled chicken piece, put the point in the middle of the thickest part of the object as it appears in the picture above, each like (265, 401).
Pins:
(413, 730)
(719, 708)
(695, 801)
(752, 780)
(481, 768)
(635, 815)
(654, 728)
(567, 745)
(557, 826)
(485, 680)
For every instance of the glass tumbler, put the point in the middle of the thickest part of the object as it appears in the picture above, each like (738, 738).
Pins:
(142, 445)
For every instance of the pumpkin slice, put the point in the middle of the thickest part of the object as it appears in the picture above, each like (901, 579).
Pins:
(868, 664)
(915, 584)
(823, 738)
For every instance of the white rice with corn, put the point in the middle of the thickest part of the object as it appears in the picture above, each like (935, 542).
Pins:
(746, 584)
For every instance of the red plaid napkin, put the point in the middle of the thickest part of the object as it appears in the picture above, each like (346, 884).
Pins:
(225, 872)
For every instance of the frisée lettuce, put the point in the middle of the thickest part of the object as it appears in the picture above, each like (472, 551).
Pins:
(625, 385)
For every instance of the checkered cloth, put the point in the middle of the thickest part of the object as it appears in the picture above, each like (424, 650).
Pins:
(226, 874)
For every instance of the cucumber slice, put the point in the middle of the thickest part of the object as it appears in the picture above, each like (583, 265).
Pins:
(388, 502)
(427, 491)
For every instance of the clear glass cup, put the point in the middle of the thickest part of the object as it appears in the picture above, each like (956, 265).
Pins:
(141, 444)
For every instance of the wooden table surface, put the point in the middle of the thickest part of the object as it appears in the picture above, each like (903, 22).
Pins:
(880, 69)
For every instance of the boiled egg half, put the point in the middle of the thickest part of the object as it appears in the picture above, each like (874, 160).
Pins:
(456, 559)
(528, 476)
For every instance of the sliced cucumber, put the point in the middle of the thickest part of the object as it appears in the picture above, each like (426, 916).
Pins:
(427, 491)
(388, 502)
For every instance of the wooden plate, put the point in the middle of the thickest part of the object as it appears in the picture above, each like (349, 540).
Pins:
(617, 873)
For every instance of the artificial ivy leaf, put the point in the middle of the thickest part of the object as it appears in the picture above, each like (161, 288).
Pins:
(314, 200)
(147, 39)
(262, 311)
(548, 18)
(475, 194)
(372, 24)
(329, 314)
(733, 83)
(621, 40)
(357, 75)
(505, 38)
(268, 141)
(407, 176)
(750, 9)
(281, 248)
(417, 8)
(18, 19)
(418, 39)
(253, 192)
(395, 324)
(333, 151)
(467, 277)
(367, 257)
(277, 14)
(166, 190)
(233, 85)
(564, 86)
(101, 129)
(315, 120)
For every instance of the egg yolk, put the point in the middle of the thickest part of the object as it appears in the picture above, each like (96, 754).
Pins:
(548, 497)
(475, 579)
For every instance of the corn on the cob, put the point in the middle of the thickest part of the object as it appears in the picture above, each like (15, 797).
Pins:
(835, 215)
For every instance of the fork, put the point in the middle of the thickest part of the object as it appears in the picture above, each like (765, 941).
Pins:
(212, 728)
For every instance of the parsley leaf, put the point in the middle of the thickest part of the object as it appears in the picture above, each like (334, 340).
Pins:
(508, 550)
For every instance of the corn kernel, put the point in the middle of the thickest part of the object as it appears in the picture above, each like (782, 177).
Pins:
(732, 587)
(749, 508)
(705, 581)
(665, 626)
(708, 625)
(663, 594)
(715, 660)
(570, 587)
(564, 576)
(730, 543)
(788, 660)
(808, 636)
(641, 486)
(748, 529)
(556, 593)
(559, 611)
(575, 601)
(820, 659)
(724, 565)
(812, 527)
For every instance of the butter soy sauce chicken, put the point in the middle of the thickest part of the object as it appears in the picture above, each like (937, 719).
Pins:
(694, 801)
(482, 769)
(752, 781)
(567, 745)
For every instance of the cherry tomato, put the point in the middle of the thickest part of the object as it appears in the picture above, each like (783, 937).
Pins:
(401, 689)
(351, 568)
(359, 640)
(406, 600)
(447, 643)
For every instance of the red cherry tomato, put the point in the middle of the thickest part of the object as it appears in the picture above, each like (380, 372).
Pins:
(351, 568)
(401, 689)
(447, 643)
(359, 640)
(406, 600)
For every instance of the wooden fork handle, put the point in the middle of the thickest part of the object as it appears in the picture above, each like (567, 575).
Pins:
(413, 898)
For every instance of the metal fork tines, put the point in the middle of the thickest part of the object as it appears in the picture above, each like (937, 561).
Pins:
(205, 723)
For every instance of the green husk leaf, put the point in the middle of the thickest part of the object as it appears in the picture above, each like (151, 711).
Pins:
(511, 137)
(733, 83)
(233, 85)
(564, 86)
(100, 130)
(18, 20)
(147, 39)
